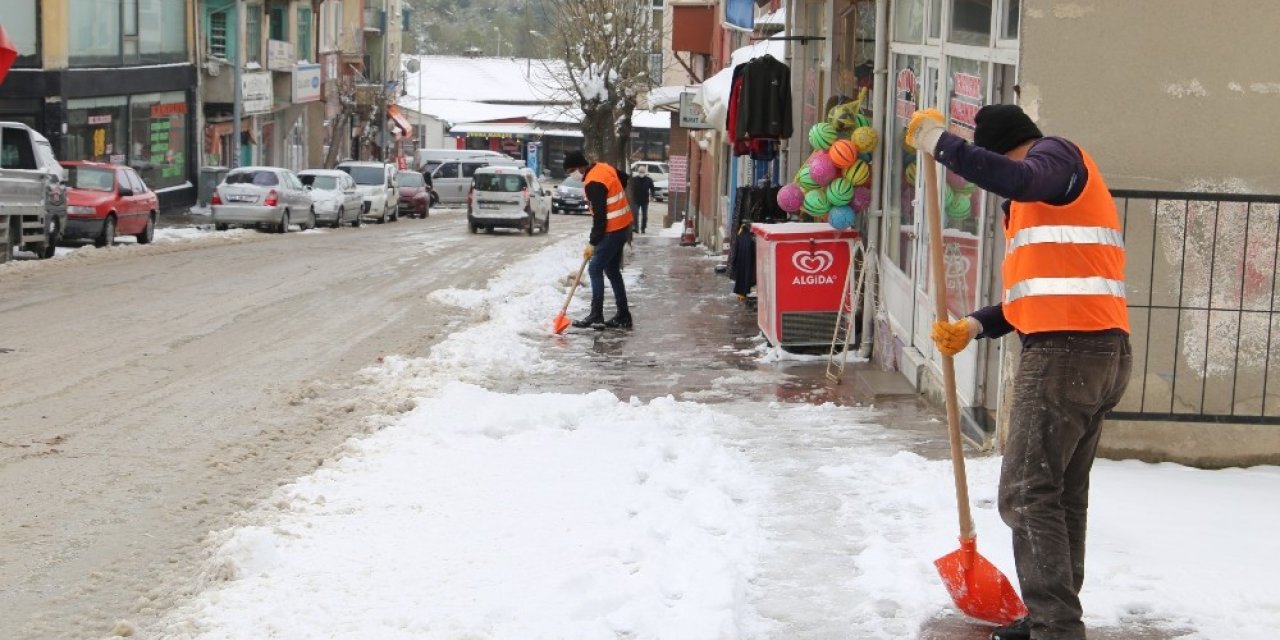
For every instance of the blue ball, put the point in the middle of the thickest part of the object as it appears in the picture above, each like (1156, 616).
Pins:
(866, 157)
(841, 217)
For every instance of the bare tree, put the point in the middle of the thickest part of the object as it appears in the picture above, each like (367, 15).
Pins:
(605, 46)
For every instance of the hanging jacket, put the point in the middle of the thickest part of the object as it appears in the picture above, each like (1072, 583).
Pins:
(1066, 277)
(765, 103)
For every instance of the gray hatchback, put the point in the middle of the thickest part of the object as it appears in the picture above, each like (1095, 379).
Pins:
(269, 197)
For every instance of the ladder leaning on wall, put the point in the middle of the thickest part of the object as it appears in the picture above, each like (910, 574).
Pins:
(855, 287)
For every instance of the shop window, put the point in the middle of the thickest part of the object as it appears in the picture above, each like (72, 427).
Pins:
(935, 19)
(253, 33)
(304, 35)
(97, 129)
(162, 30)
(901, 178)
(218, 35)
(962, 200)
(279, 23)
(22, 24)
(908, 21)
(127, 32)
(95, 37)
(158, 138)
(971, 22)
(1009, 25)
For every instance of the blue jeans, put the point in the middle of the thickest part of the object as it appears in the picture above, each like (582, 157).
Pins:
(607, 261)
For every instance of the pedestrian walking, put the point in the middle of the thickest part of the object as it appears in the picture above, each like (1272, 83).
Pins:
(610, 230)
(641, 189)
(1064, 293)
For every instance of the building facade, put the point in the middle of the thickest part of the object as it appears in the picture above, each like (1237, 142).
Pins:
(110, 82)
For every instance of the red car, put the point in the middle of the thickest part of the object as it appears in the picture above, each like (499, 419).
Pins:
(105, 201)
(415, 196)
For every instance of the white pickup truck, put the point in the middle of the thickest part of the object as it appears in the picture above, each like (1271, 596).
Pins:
(33, 193)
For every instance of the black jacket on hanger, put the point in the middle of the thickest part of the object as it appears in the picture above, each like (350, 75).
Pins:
(765, 103)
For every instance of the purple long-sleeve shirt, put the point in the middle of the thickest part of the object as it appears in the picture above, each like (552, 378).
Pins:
(1052, 172)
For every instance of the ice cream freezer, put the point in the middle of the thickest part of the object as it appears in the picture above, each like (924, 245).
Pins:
(801, 269)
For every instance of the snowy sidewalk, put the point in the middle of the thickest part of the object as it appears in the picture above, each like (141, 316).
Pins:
(515, 501)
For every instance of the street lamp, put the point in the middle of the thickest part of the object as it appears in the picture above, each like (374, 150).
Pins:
(414, 65)
(498, 33)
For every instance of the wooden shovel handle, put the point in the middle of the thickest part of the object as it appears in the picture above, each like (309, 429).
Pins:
(574, 288)
(934, 212)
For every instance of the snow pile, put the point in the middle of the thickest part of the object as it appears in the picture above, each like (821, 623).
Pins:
(485, 515)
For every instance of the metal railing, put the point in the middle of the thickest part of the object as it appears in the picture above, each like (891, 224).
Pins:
(1202, 293)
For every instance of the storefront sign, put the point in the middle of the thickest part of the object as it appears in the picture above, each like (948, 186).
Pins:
(168, 109)
(691, 114)
(905, 90)
(679, 173)
(306, 83)
(256, 93)
(532, 150)
(510, 146)
(279, 55)
(100, 119)
(968, 86)
(965, 101)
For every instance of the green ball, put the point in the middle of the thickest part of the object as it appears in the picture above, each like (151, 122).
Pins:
(816, 203)
(805, 181)
(821, 136)
(959, 206)
(840, 191)
(861, 121)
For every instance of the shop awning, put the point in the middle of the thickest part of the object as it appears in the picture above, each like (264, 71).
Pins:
(504, 129)
(714, 96)
(406, 129)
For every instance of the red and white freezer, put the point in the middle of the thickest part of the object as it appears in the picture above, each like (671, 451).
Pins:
(800, 277)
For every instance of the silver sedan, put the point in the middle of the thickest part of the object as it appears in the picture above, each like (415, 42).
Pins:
(269, 197)
(334, 196)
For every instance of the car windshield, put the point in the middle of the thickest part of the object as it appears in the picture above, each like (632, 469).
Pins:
(91, 178)
(259, 178)
(571, 183)
(323, 183)
(503, 182)
(430, 166)
(366, 175)
(410, 179)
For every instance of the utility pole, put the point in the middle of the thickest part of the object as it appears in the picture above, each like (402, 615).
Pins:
(238, 97)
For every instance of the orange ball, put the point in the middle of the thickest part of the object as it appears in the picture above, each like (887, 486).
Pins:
(843, 153)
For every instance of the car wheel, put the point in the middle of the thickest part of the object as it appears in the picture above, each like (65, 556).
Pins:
(149, 233)
(337, 220)
(283, 227)
(52, 235)
(474, 228)
(221, 226)
(546, 224)
(311, 220)
(108, 236)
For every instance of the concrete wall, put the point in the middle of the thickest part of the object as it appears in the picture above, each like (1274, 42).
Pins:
(1167, 94)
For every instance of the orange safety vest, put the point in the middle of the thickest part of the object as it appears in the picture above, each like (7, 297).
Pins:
(1064, 265)
(617, 209)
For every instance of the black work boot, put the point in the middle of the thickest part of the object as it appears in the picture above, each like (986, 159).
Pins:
(1019, 629)
(593, 321)
(620, 321)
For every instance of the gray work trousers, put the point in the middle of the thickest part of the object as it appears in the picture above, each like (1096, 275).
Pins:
(1064, 387)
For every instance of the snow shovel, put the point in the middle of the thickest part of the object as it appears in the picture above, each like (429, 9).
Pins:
(562, 321)
(977, 586)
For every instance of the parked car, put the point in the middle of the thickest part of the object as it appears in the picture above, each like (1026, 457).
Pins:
(261, 196)
(452, 179)
(415, 198)
(376, 182)
(105, 201)
(429, 159)
(508, 197)
(658, 172)
(569, 197)
(33, 195)
(334, 197)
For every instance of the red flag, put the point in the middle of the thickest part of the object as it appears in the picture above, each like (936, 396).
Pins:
(8, 52)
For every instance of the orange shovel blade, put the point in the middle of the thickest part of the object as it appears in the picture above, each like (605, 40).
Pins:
(977, 586)
(560, 323)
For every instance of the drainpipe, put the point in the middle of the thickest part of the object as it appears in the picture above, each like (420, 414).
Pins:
(878, 120)
(237, 60)
(787, 24)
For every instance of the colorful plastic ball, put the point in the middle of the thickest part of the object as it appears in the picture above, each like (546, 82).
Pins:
(805, 180)
(843, 153)
(791, 198)
(910, 174)
(861, 120)
(866, 138)
(955, 181)
(840, 191)
(821, 169)
(959, 206)
(967, 188)
(841, 217)
(859, 174)
(816, 204)
(821, 136)
(861, 198)
(865, 157)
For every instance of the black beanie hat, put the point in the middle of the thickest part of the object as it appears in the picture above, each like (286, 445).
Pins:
(573, 160)
(1001, 127)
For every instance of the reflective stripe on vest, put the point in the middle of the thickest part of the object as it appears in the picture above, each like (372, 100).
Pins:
(1064, 265)
(617, 209)
(1065, 234)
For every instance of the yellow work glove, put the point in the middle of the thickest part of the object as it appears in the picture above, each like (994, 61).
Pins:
(952, 337)
(925, 129)
(587, 253)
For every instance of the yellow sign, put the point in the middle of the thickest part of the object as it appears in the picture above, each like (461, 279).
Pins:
(99, 142)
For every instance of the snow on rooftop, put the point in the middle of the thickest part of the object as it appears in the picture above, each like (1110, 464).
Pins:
(455, 111)
(496, 80)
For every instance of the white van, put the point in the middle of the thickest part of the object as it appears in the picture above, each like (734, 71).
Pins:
(429, 159)
(452, 178)
(510, 198)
